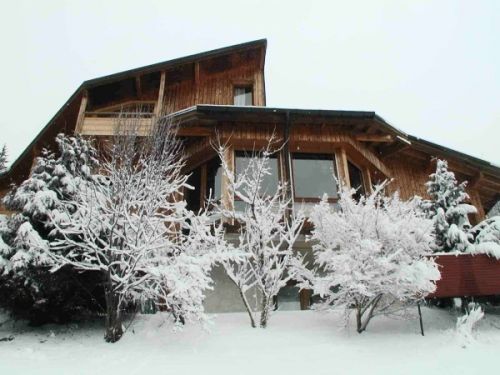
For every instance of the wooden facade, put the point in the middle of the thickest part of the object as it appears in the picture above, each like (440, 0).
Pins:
(198, 92)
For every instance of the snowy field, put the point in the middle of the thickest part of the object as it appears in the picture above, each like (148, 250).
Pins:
(294, 343)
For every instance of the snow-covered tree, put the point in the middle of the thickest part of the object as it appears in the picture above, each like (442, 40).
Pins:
(487, 239)
(448, 210)
(267, 233)
(495, 210)
(371, 254)
(132, 226)
(27, 288)
(3, 159)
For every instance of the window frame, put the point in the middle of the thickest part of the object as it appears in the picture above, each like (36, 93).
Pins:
(248, 85)
(333, 159)
(276, 155)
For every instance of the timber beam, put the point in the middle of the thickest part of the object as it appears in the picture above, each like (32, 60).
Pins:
(374, 138)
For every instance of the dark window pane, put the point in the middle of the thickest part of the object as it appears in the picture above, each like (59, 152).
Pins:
(356, 178)
(243, 96)
(269, 182)
(214, 176)
(289, 298)
(192, 197)
(313, 175)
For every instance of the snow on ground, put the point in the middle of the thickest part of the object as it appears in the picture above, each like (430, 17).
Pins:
(299, 342)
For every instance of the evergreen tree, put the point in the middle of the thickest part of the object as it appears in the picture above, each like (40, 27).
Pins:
(3, 159)
(27, 288)
(448, 210)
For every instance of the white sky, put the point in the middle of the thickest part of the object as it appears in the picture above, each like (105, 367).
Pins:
(430, 68)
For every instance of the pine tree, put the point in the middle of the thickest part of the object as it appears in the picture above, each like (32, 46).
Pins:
(27, 288)
(3, 159)
(448, 210)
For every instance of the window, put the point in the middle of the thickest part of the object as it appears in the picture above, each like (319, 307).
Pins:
(243, 95)
(314, 175)
(356, 178)
(269, 182)
(214, 178)
(193, 196)
(288, 298)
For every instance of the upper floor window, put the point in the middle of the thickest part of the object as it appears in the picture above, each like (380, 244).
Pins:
(356, 178)
(243, 95)
(314, 175)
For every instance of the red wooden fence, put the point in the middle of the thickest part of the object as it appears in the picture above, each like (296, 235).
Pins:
(467, 275)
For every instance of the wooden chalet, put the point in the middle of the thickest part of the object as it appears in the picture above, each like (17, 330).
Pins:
(222, 93)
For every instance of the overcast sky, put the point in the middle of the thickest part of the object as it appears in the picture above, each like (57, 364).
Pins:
(430, 68)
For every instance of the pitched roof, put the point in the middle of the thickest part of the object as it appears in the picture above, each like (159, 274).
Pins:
(260, 43)
(273, 114)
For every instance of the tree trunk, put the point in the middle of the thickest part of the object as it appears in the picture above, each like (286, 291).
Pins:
(264, 315)
(247, 306)
(358, 319)
(114, 329)
(361, 325)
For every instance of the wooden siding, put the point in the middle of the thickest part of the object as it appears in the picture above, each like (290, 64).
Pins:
(467, 275)
(409, 179)
(206, 88)
(213, 89)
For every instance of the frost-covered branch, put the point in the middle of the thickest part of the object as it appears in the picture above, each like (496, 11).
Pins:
(132, 225)
(266, 235)
(371, 254)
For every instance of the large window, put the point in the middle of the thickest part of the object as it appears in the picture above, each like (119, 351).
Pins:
(356, 178)
(313, 176)
(269, 181)
(243, 95)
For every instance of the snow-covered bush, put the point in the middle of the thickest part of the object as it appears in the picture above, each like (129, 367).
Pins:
(448, 210)
(371, 254)
(267, 232)
(467, 323)
(27, 288)
(132, 226)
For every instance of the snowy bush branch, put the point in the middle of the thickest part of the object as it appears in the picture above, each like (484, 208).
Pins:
(267, 233)
(371, 254)
(131, 224)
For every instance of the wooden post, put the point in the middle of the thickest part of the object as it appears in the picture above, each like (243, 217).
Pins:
(138, 87)
(342, 170)
(196, 82)
(81, 113)
(286, 176)
(367, 179)
(420, 318)
(227, 198)
(258, 90)
(305, 299)
(161, 92)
